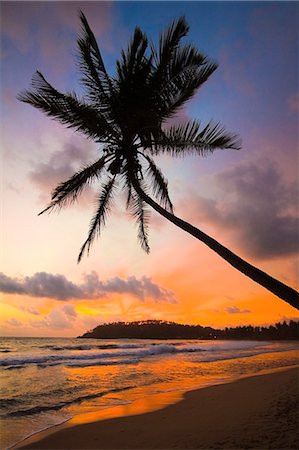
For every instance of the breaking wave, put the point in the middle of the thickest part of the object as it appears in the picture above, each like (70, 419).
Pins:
(91, 347)
(110, 354)
(66, 358)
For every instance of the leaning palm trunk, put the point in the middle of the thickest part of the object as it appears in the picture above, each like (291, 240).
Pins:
(276, 287)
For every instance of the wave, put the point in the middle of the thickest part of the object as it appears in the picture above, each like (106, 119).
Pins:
(55, 407)
(136, 352)
(92, 347)
(216, 346)
(53, 423)
(4, 402)
(103, 363)
(126, 353)
(60, 359)
(87, 363)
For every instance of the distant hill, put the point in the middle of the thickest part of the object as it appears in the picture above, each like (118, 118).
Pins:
(158, 329)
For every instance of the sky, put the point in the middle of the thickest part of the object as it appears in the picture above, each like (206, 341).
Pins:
(246, 199)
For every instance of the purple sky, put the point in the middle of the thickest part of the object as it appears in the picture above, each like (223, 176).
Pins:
(247, 199)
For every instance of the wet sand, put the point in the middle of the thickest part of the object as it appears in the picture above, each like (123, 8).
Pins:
(259, 412)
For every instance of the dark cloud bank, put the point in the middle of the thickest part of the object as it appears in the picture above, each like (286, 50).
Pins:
(259, 206)
(58, 287)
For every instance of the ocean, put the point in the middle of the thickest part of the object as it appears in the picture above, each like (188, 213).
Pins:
(47, 381)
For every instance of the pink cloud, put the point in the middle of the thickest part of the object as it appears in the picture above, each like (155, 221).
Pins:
(14, 22)
(60, 166)
(182, 116)
(267, 28)
(30, 309)
(293, 103)
(69, 310)
(48, 30)
(14, 322)
(10, 105)
(235, 70)
(27, 22)
(244, 62)
(56, 319)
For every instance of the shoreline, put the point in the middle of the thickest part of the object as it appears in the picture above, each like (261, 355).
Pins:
(255, 411)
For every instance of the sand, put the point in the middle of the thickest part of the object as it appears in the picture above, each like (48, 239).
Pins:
(259, 412)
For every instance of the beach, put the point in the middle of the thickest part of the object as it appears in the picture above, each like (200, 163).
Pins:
(259, 412)
(57, 384)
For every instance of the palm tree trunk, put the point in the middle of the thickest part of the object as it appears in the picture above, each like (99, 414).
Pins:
(276, 287)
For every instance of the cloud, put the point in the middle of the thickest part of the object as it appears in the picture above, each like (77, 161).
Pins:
(247, 61)
(10, 285)
(38, 323)
(234, 66)
(56, 319)
(293, 103)
(14, 322)
(31, 310)
(69, 310)
(258, 206)
(266, 29)
(47, 30)
(43, 284)
(139, 288)
(236, 310)
(65, 317)
(61, 166)
(58, 287)
(182, 116)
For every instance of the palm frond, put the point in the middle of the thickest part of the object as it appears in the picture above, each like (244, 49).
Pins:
(132, 80)
(182, 88)
(159, 184)
(68, 191)
(68, 109)
(181, 140)
(134, 61)
(139, 211)
(186, 57)
(95, 77)
(100, 216)
(129, 194)
(168, 44)
(183, 74)
(215, 136)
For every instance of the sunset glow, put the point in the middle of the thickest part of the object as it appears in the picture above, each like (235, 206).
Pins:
(247, 199)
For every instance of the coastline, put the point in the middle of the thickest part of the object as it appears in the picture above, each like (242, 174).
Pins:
(258, 411)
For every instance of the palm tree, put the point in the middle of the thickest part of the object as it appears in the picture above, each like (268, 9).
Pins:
(126, 115)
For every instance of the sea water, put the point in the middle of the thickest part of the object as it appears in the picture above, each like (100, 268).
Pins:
(46, 381)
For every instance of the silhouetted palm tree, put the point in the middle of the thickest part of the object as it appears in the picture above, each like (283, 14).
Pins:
(126, 114)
